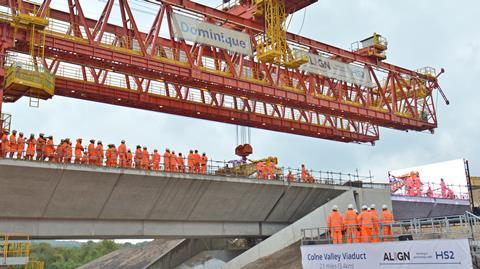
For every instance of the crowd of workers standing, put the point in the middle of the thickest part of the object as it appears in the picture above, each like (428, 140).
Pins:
(414, 187)
(360, 227)
(43, 148)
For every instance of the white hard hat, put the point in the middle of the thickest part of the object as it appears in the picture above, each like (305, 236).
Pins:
(372, 206)
(350, 206)
(384, 206)
(368, 208)
(364, 207)
(356, 211)
(334, 208)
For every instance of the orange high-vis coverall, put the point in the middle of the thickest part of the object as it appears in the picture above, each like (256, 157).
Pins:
(181, 164)
(190, 162)
(49, 150)
(68, 153)
(196, 163)
(129, 160)
(145, 159)
(304, 174)
(92, 154)
(260, 170)
(78, 152)
(101, 155)
(122, 155)
(156, 161)
(203, 164)
(173, 162)
(138, 158)
(376, 228)
(271, 167)
(166, 161)
(4, 143)
(20, 147)
(113, 157)
(290, 177)
(30, 148)
(444, 189)
(335, 225)
(60, 153)
(350, 223)
(39, 148)
(13, 145)
(387, 219)
(366, 225)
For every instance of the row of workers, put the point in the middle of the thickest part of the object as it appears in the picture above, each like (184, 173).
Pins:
(266, 170)
(43, 149)
(360, 227)
(413, 187)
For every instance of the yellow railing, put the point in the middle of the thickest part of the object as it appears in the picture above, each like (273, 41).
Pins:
(35, 265)
(37, 78)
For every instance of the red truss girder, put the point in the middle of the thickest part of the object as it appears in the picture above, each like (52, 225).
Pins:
(289, 88)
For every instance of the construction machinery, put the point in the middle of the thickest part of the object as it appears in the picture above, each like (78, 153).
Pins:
(261, 76)
(249, 168)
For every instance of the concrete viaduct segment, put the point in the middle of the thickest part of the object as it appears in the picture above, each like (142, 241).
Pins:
(58, 201)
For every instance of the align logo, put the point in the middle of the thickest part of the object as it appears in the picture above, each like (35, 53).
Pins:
(396, 256)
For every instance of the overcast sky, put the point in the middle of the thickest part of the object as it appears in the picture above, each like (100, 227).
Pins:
(437, 33)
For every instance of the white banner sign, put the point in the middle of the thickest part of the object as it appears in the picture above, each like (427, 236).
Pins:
(194, 30)
(424, 254)
(326, 67)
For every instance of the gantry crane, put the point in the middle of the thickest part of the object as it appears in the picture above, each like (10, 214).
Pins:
(276, 80)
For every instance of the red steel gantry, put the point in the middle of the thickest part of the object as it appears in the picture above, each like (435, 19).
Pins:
(94, 59)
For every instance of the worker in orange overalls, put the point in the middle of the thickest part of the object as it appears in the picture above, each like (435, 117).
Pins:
(376, 222)
(68, 151)
(112, 156)
(166, 160)
(265, 170)
(78, 151)
(108, 155)
(13, 143)
(92, 153)
(40, 147)
(443, 187)
(60, 152)
(387, 219)
(101, 154)
(49, 149)
(20, 145)
(335, 225)
(358, 233)
(290, 177)
(430, 192)
(418, 185)
(138, 157)
(350, 224)
(196, 162)
(122, 154)
(173, 162)
(271, 168)
(260, 166)
(190, 161)
(155, 160)
(145, 159)
(304, 174)
(365, 221)
(30, 147)
(4, 144)
(181, 163)
(203, 163)
(129, 158)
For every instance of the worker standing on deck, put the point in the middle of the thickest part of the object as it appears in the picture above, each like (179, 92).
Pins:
(350, 224)
(430, 192)
(410, 185)
(166, 160)
(40, 146)
(366, 224)
(196, 162)
(443, 186)
(155, 160)
(20, 145)
(78, 151)
(100, 152)
(173, 162)
(304, 174)
(60, 152)
(387, 221)
(181, 163)
(335, 225)
(4, 144)
(260, 170)
(31, 142)
(68, 151)
(418, 185)
(145, 159)
(114, 162)
(92, 153)
(138, 157)
(13, 143)
(108, 155)
(122, 154)
(290, 177)
(129, 158)
(358, 230)
(375, 221)
(203, 163)
(271, 168)
(190, 161)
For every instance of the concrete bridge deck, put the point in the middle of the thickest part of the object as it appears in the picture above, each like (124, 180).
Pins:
(64, 201)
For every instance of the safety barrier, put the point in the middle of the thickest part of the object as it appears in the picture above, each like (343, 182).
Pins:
(14, 249)
(462, 226)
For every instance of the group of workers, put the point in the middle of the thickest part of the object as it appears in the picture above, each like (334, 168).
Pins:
(43, 148)
(360, 227)
(267, 170)
(414, 187)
